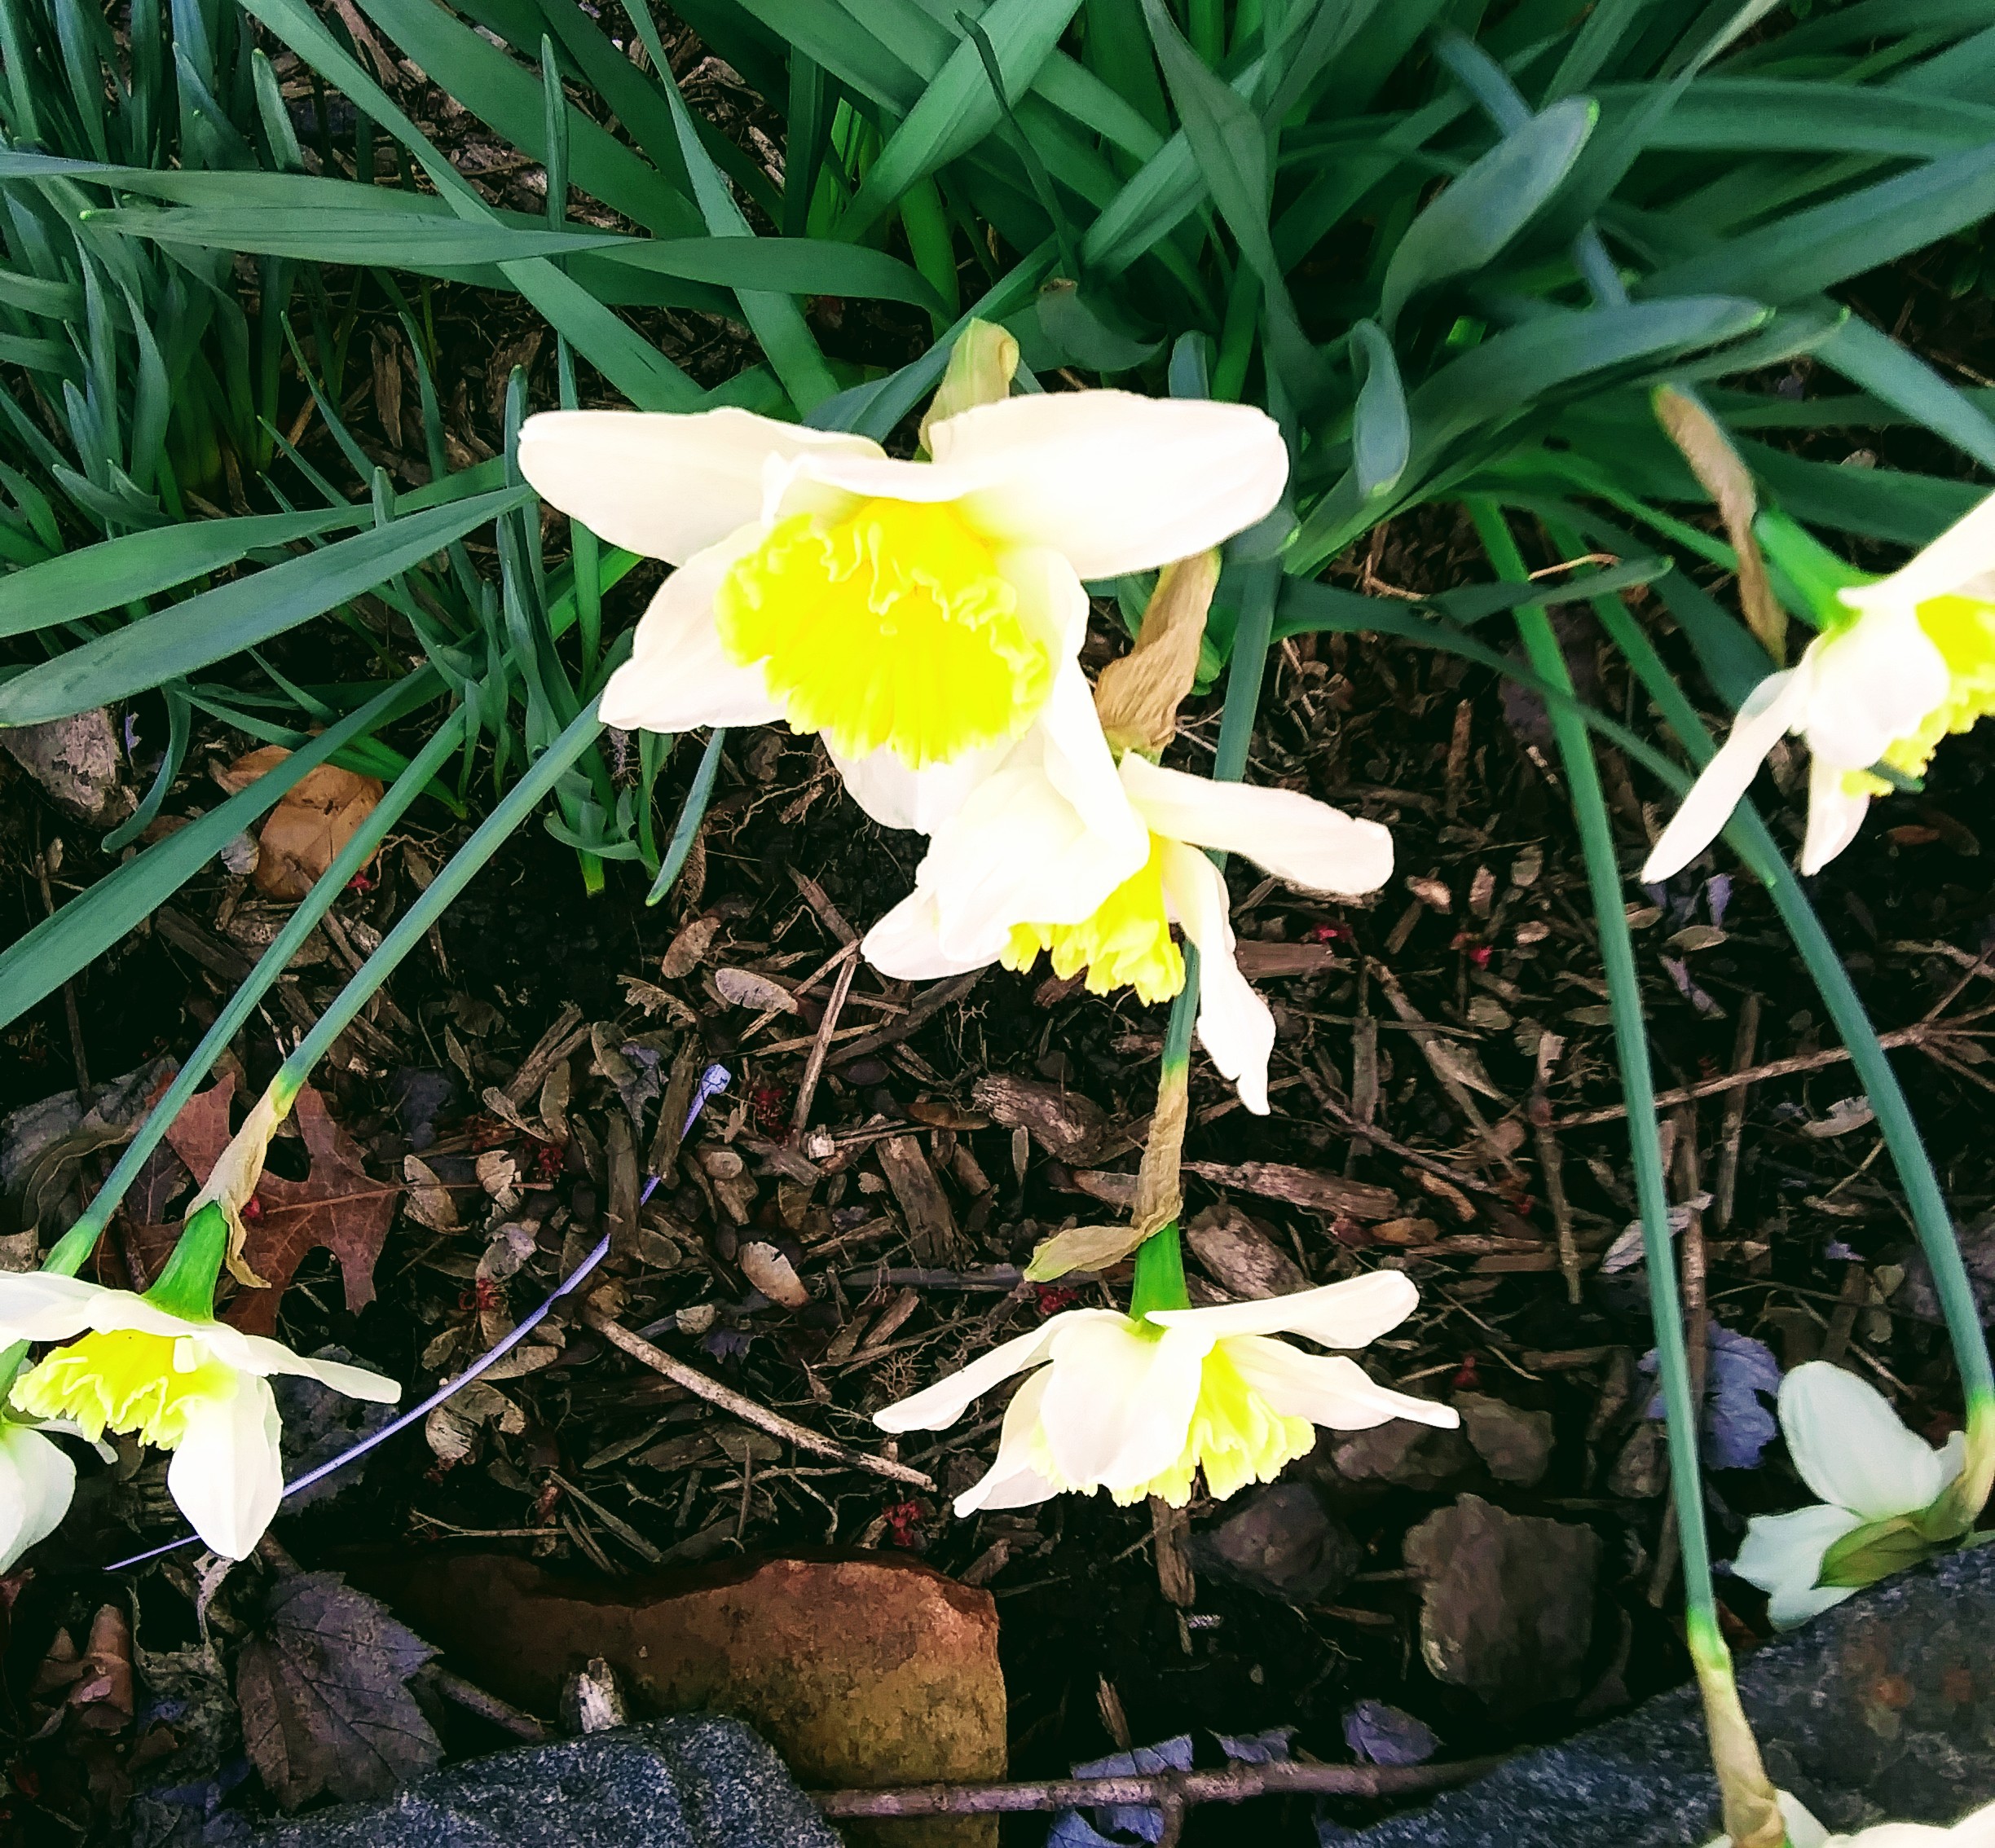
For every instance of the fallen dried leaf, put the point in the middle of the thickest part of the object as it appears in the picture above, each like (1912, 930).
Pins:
(742, 988)
(314, 819)
(773, 1273)
(683, 955)
(339, 1206)
(321, 1684)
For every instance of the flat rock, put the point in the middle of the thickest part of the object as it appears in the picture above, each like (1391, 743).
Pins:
(1515, 1444)
(1506, 1603)
(1402, 1453)
(1882, 1708)
(860, 1671)
(1283, 1542)
(699, 1780)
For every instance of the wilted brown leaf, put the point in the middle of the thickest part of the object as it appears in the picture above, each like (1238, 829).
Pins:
(315, 817)
(339, 1205)
(321, 1685)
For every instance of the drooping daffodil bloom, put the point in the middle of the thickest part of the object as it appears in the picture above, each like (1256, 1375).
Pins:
(1139, 1407)
(36, 1481)
(1063, 849)
(1977, 1830)
(161, 1367)
(1898, 663)
(921, 609)
(1871, 1473)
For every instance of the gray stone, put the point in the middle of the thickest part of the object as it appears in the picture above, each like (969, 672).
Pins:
(1507, 1600)
(1515, 1445)
(1282, 1541)
(1882, 1708)
(1413, 1456)
(698, 1780)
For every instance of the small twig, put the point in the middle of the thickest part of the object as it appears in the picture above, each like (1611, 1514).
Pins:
(474, 1700)
(700, 1386)
(1236, 1784)
(1434, 1049)
(1358, 1130)
(1775, 1068)
(813, 1069)
(1551, 1164)
(1697, 1327)
(1725, 1189)
(932, 999)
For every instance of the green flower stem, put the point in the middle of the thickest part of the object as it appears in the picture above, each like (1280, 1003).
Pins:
(1747, 1793)
(1159, 1256)
(1750, 837)
(690, 816)
(72, 1251)
(185, 1284)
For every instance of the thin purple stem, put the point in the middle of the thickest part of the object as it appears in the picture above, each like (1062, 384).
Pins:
(713, 1081)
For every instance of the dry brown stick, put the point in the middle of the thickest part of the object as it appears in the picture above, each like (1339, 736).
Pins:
(1725, 1190)
(813, 1068)
(700, 1386)
(1551, 1164)
(1435, 1051)
(930, 1001)
(1775, 1068)
(1236, 1784)
(473, 1699)
(1697, 1327)
(1360, 1131)
(77, 1056)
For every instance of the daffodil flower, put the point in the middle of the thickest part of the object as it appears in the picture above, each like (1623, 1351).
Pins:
(1063, 850)
(918, 608)
(1870, 1473)
(1139, 1407)
(1898, 663)
(36, 1481)
(160, 1367)
(1974, 1831)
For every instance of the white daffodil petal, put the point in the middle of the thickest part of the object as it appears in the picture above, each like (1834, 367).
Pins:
(38, 1480)
(1782, 1555)
(1012, 1481)
(1834, 814)
(1850, 1448)
(921, 801)
(666, 485)
(678, 676)
(1771, 710)
(941, 1404)
(227, 1475)
(1330, 1390)
(1116, 482)
(1117, 1399)
(38, 1305)
(1065, 742)
(1961, 554)
(1234, 1024)
(1351, 1314)
(907, 944)
(1296, 837)
(1052, 601)
(264, 1356)
(1868, 685)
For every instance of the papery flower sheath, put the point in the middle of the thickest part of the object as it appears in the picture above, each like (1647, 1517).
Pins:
(38, 1480)
(1061, 850)
(919, 609)
(1140, 1406)
(1850, 1448)
(1899, 662)
(157, 1366)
